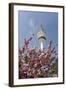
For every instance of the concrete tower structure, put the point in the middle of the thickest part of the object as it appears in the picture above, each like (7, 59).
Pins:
(41, 37)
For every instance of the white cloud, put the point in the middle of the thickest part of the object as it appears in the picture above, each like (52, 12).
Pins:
(31, 23)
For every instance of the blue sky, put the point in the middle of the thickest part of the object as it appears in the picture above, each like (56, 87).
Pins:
(29, 22)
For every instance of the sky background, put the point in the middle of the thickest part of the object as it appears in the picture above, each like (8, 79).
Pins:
(29, 23)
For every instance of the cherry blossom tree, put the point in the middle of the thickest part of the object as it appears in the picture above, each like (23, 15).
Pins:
(34, 63)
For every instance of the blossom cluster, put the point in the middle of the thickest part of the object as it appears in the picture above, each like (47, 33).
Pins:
(34, 63)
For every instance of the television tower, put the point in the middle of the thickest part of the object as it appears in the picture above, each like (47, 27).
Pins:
(41, 37)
